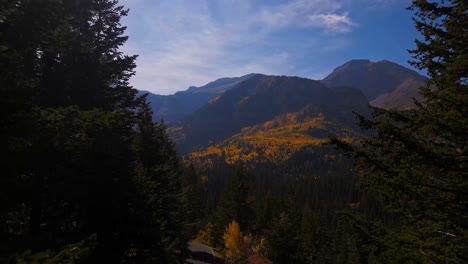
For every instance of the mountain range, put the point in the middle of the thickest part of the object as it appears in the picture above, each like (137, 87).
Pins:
(174, 107)
(283, 111)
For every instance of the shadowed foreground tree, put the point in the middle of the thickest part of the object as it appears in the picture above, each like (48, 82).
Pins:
(161, 217)
(82, 154)
(417, 160)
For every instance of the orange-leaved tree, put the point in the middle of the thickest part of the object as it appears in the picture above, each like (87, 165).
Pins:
(236, 244)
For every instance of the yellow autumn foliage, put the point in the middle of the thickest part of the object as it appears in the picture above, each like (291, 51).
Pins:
(274, 141)
(261, 247)
(205, 235)
(236, 244)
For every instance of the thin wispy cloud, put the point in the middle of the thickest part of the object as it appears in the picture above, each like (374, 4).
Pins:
(183, 43)
(333, 22)
(327, 15)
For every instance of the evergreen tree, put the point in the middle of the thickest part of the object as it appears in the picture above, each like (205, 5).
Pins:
(417, 160)
(84, 66)
(21, 29)
(283, 245)
(159, 179)
(235, 204)
(83, 156)
(308, 226)
(265, 212)
(192, 200)
(284, 237)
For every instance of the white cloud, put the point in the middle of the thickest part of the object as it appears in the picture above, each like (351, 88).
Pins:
(183, 43)
(333, 22)
(309, 14)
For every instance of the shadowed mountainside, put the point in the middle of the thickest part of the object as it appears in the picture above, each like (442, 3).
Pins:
(385, 83)
(261, 99)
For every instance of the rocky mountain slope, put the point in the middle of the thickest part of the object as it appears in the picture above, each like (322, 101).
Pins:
(384, 83)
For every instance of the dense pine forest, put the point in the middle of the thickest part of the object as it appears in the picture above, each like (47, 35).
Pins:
(89, 177)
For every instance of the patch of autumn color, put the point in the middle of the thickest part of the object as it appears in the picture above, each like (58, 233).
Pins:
(260, 248)
(285, 122)
(210, 151)
(348, 140)
(214, 100)
(205, 235)
(354, 205)
(274, 141)
(204, 179)
(177, 133)
(236, 244)
(256, 149)
(245, 99)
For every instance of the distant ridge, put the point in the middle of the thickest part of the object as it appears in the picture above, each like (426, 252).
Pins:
(172, 108)
(221, 85)
(384, 83)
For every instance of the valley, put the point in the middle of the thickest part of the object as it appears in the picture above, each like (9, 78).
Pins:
(270, 136)
(366, 164)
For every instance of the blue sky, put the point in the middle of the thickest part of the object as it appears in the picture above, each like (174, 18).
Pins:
(192, 42)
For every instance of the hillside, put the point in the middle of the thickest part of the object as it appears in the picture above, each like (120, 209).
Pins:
(274, 141)
(220, 109)
(266, 98)
(385, 83)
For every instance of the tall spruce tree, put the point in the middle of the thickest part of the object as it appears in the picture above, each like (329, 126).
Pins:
(417, 160)
(235, 204)
(192, 200)
(74, 135)
(158, 177)
(283, 244)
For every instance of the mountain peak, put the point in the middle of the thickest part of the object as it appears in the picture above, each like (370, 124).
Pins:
(354, 66)
(359, 61)
(373, 78)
